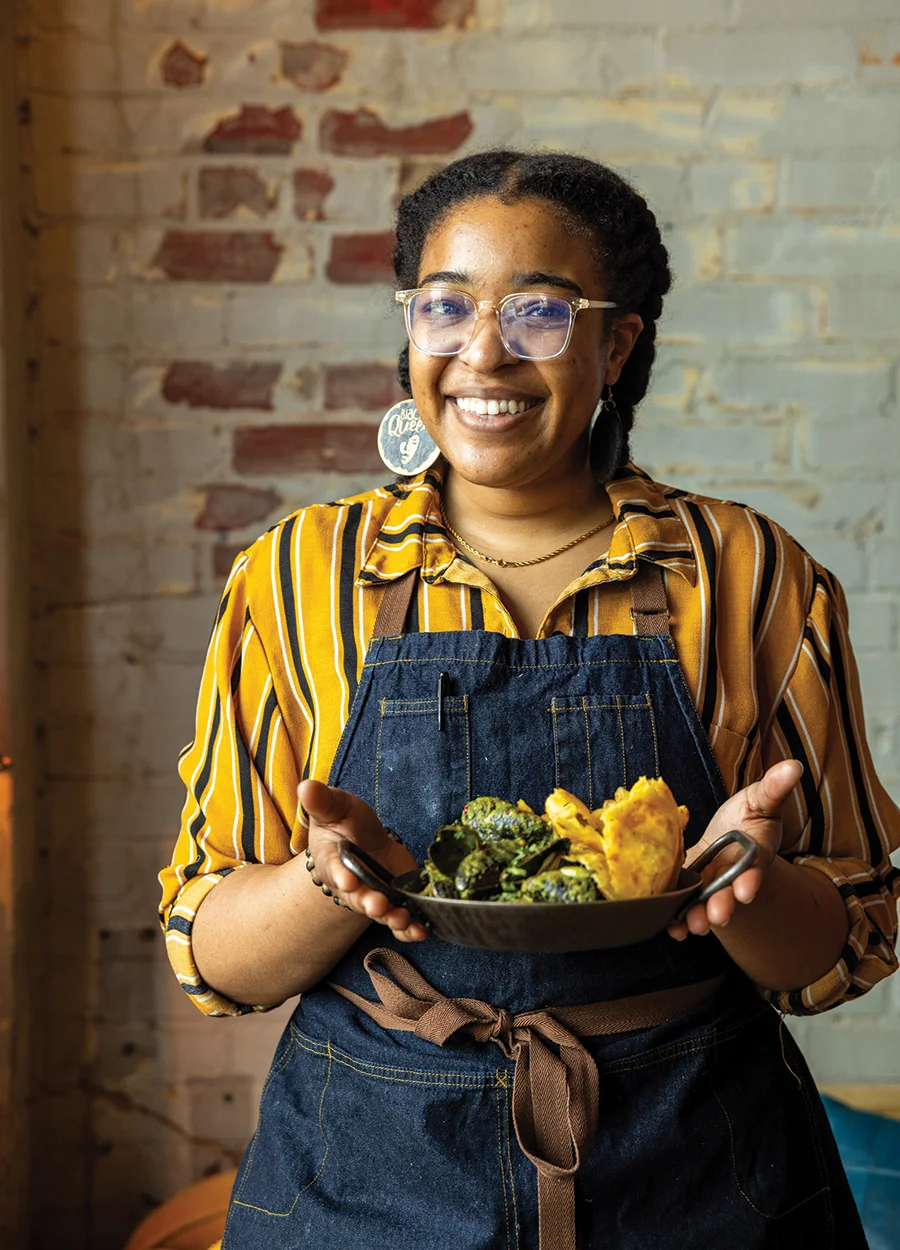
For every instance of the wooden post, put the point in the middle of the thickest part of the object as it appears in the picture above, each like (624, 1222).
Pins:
(15, 732)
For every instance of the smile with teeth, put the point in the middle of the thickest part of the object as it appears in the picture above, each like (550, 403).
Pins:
(493, 407)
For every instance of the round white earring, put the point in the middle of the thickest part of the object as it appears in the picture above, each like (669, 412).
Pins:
(404, 444)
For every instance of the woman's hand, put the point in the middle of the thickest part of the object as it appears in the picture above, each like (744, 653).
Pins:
(757, 811)
(335, 814)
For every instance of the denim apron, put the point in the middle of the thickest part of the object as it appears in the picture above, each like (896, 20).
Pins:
(710, 1130)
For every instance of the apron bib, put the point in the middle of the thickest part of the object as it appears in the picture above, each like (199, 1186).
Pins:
(710, 1131)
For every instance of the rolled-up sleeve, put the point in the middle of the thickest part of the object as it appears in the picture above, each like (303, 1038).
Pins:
(241, 774)
(840, 822)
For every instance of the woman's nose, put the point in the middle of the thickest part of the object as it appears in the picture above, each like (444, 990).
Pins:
(487, 351)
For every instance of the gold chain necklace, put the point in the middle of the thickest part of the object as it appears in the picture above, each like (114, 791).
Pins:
(521, 564)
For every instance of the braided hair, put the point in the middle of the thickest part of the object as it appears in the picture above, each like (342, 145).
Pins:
(596, 202)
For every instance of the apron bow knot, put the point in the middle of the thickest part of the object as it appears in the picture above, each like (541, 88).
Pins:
(556, 1087)
(501, 1030)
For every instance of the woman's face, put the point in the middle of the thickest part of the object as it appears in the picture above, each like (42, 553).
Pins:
(491, 249)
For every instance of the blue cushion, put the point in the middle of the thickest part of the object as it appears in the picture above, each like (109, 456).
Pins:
(870, 1149)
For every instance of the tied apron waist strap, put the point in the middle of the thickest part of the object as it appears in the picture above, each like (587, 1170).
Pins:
(555, 1095)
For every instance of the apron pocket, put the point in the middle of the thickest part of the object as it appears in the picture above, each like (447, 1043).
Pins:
(600, 746)
(361, 1154)
(766, 1104)
(290, 1147)
(422, 772)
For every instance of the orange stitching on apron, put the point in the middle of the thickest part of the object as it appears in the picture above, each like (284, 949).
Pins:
(587, 741)
(409, 1076)
(378, 757)
(273, 1071)
(285, 1214)
(653, 727)
(824, 1189)
(502, 1168)
(512, 1179)
(622, 736)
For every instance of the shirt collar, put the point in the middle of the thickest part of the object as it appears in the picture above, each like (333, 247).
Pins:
(648, 527)
(413, 534)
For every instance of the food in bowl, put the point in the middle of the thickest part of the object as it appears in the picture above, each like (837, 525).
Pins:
(501, 851)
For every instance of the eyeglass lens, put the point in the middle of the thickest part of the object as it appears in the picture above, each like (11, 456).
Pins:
(534, 327)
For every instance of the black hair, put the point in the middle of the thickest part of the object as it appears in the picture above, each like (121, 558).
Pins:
(596, 201)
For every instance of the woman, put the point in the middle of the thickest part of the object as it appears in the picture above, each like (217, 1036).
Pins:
(547, 616)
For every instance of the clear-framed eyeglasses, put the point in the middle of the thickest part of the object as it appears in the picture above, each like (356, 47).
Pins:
(441, 321)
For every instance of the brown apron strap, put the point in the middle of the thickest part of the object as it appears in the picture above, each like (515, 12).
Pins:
(649, 609)
(555, 1088)
(394, 605)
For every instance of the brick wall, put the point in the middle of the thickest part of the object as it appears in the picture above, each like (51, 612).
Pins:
(210, 188)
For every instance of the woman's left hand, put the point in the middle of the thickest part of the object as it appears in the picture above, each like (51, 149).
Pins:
(757, 811)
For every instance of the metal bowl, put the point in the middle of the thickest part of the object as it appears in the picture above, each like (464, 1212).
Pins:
(550, 928)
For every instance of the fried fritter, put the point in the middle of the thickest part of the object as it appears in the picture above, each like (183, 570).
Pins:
(633, 844)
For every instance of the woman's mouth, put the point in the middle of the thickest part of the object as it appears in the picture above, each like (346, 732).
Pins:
(494, 407)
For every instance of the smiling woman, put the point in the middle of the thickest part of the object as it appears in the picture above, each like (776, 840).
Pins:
(528, 613)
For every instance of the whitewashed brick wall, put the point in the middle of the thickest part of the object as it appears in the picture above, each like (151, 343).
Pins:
(206, 243)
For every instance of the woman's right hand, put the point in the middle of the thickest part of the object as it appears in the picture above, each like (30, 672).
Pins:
(334, 815)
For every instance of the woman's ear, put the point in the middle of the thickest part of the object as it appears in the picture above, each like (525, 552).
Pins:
(625, 332)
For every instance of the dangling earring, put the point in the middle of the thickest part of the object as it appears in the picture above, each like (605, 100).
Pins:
(404, 444)
(607, 442)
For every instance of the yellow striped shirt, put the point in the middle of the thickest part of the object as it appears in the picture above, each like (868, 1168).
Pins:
(760, 629)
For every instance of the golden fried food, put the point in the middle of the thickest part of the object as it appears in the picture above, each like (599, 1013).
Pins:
(633, 844)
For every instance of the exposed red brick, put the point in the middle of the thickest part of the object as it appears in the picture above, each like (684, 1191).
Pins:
(257, 131)
(363, 133)
(312, 66)
(224, 189)
(232, 507)
(237, 384)
(311, 189)
(223, 558)
(306, 449)
(182, 67)
(391, 14)
(361, 258)
(367, 387)
(218, 256)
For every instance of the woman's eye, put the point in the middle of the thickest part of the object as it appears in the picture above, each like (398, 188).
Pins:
(543, 310)
(443, 307)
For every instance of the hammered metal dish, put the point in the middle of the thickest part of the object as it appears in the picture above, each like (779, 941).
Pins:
(550, 928)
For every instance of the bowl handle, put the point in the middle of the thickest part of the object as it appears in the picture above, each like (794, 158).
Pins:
(376, 877)
(751, 851)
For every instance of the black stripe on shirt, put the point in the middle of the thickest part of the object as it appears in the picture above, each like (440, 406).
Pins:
(814, 812)
(580, 611)
(245, 779)
(200, 785)
(708, 551)
(262, 747)
(768, 573)
(643, 509)
(821, 662)
(876, 850)
(286, 583)
(476, 608)
(195, 990)
(416, 529)
(411, 624)
(345, 601)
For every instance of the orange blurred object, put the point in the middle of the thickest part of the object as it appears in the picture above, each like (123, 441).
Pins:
(193, 1219)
